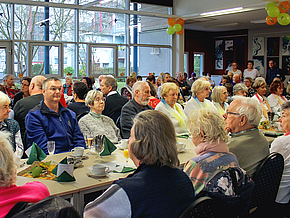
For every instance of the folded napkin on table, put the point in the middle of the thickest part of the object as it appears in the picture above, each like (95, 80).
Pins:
(185, 135)
(36, 154)
(109, 147)
(64, 171)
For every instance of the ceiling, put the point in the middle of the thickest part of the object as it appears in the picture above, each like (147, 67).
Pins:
(229, 22)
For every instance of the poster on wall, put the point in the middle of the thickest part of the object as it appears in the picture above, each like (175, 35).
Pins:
(229, 45)
(286, 64)
(273, 46)
(285, 45)
(258, 46)
(259, 64)
(219, 55)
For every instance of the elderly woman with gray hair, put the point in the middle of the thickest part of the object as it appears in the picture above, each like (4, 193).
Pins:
(173, 110)
(95, 123)
(10, 194)
(200, 90)
(240, 89)
(261, 87)
(10, 125)
(208, 171)
(219, 97)
(157, 188)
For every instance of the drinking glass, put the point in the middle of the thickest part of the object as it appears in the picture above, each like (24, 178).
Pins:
(99, 145)
(50, 147)
(126, 154)
(89, 142)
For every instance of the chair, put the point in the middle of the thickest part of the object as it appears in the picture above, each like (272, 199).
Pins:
(82, 114)
(267, 181)
(201, 207)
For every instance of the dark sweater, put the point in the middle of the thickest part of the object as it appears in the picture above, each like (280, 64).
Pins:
(78, 107)
(158, 191)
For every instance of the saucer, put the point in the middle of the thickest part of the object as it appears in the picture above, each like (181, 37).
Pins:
(181, 150)
(99, 175)
(83, 157)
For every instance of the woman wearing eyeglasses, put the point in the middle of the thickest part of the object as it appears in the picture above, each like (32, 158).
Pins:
(25, 82)
(95, 123)
(219, 97)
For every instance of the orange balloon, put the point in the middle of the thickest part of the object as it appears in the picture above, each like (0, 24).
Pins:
(271, 20)
(180, 32)
(284, 7)
(180, 21)
(171, 21)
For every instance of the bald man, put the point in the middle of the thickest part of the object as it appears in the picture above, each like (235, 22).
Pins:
(23, 106)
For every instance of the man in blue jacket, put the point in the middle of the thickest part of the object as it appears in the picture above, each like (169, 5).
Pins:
(50, 121)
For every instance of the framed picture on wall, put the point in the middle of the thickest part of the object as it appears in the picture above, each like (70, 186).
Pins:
(286, 64)
(258, 46)
(273, 46)
(219, 54)
(259, 64)
(285, 45)
(229, 45)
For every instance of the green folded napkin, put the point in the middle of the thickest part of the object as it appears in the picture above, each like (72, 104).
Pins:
(36, 154)
(125, 170)
(109, 147)
(186, 136)
(64, 176)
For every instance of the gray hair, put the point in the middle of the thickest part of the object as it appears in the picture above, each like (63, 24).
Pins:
(179, 73)
(110, 81)
(4, 99)
(91, 96)
(210, 122)
(37, 80)
(139, 85)
(239, 87)
(7, 163)
(7, 76)
(260, 81)
(250, 108)
(285, 105)
(249, 78)
(45, 82)
(216, 93)
(155, 142)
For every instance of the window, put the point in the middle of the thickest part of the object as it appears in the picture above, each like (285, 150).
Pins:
(198, 63)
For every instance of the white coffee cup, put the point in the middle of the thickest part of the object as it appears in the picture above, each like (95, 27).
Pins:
(180, 146)
(124, 143)
(78, 151)
(99, 169)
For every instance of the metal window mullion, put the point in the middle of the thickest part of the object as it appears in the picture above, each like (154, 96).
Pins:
(77, 40)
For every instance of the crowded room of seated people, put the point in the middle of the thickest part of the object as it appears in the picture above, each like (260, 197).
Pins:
(153, 146)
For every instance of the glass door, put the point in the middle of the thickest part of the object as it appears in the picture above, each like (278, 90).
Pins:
(5, 59)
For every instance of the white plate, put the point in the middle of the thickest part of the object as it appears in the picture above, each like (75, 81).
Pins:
(93, 175)
(181, 150)
(82, 157)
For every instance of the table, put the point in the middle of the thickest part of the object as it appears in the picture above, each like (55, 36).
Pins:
(83, 185)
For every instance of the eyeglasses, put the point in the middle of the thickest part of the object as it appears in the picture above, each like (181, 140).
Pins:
(233, 113)
(24, 84)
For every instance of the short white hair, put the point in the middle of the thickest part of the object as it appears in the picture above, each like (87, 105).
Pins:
(91, 96)
(139, 85)
(7, 162)
(4, 99)
(238, 87)
(250, 108)
(210, 122)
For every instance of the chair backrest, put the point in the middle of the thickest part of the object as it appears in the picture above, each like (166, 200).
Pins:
(201, 207)
(82, 114)
(267, 180)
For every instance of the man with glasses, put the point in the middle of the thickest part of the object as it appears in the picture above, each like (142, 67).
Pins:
(246, 142)
(50, 121)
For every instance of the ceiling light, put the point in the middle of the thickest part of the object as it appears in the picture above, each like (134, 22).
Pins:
(258, 21)
(221, 12)
(223, 25)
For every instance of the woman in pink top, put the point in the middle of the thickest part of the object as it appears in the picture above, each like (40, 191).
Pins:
(10, 194)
